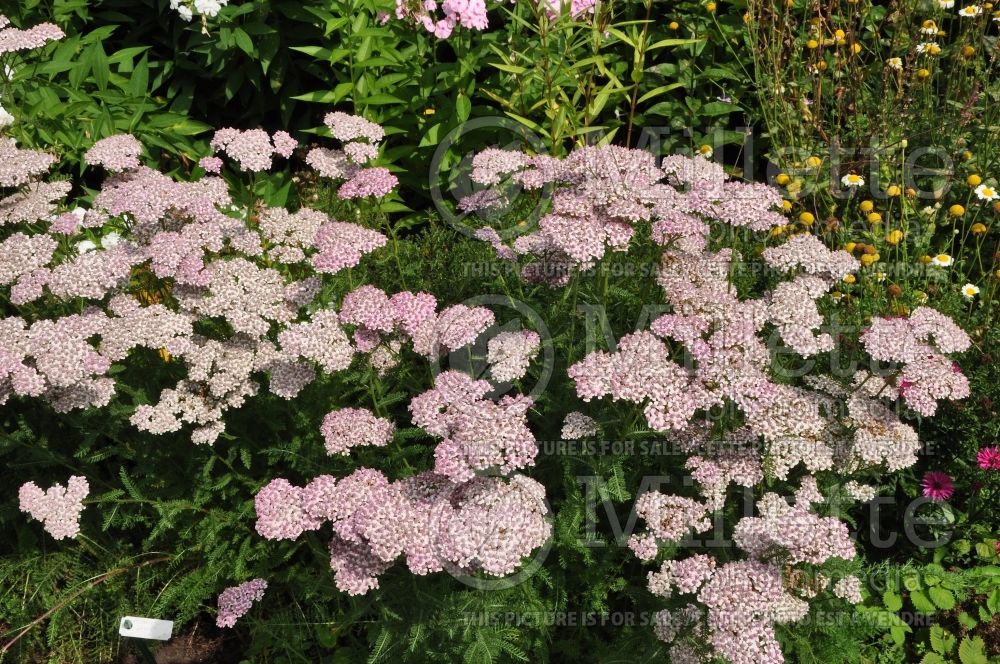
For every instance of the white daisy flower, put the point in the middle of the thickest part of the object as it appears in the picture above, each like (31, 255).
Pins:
(946, 4)
(930, 48)
(943, 260)
(895, 63)
(986, 193)
(970, 291)
(852, 180)
(971, 11)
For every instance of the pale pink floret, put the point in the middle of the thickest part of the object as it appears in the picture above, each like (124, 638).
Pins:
(58, 508)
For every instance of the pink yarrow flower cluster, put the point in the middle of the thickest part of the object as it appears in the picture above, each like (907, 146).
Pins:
(252, 149)
(58, 507)
(919, 344)
(115, 153)
(488, 524)
(234, 602)
(359, 140)
(14, 39)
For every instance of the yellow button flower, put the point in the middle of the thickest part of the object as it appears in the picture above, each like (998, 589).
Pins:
(866, 206)
(923, 73)
(978, 228)
(894, 237)
(814, 162)
(956, 210)
(782, 179)
(710, 8)
(850, 279)
(807, 218)
(974, 180)
(893, 190)
(869, 259)
(786, 206)
(674, 25)
(812, 43)
(850, 247)
(874, 217)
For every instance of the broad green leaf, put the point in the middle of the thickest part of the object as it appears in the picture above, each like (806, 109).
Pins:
(943, 598)
(972, 651)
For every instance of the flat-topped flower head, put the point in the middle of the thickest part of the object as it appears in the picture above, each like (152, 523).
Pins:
(58, 508)
(971, 11)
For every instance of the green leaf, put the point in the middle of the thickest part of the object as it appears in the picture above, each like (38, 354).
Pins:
(921, 602)
(972, 651)
(967, 621)
(892, 600)
(243, 41)
(942, 640)
(944, 599)
(463, 107)
(933, 658)
(993, 601)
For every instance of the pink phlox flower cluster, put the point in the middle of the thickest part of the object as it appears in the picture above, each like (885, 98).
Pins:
(510, 353)
(115, 153)
(14, 39)
(253, 149)
(350, 427)
(477, 434)
(454, 13)
(235, 601)
(58, 508)
(576, 7)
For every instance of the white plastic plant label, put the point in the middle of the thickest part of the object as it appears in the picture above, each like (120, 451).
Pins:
(146, 628)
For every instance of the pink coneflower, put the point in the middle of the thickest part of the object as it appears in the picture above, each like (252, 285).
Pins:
(988, 458)
(937, 486)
